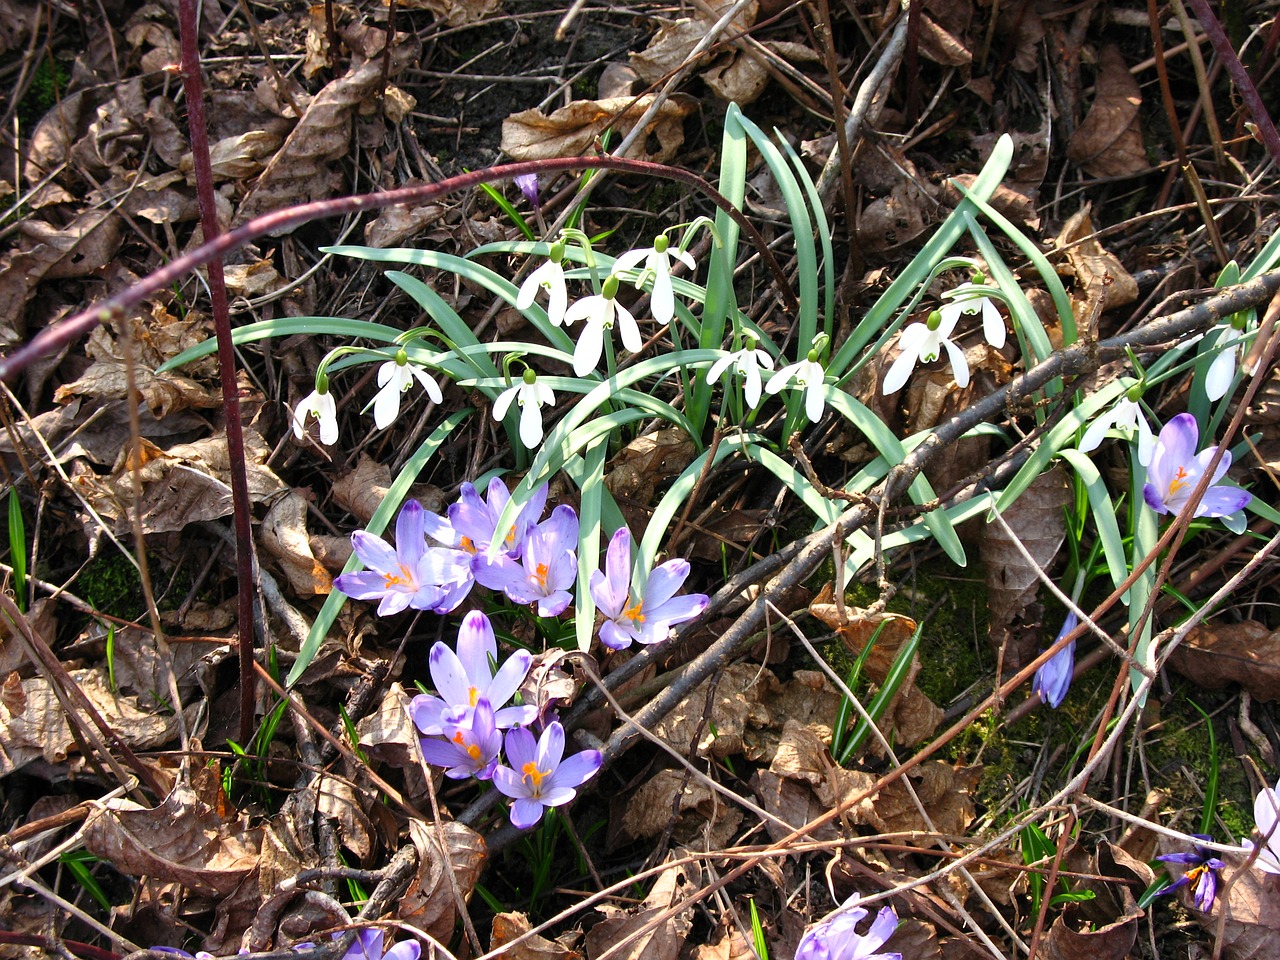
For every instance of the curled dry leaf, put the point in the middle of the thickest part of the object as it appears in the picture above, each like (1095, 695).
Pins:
(508, 927)
(574, 128)
(1108, 143)
(429, 902)
(1106, 927)
(454, 13)
(727, 710)
(1102, 282)
(1217, 654)
(943, 790)
(646, 462)
(283, 534)
(642, 935)
(674, 800)
(361, 491)
(340, 801)
(1036, 520)
(181, 841)
(388, 734)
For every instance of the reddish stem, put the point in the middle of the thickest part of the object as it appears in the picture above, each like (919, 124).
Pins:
(193, 88)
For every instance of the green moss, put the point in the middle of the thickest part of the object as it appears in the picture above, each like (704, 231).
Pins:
(50, 78)
(112, 585)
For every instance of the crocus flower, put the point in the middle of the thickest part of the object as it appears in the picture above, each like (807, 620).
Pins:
(923, 343)
(465, 678)
(474, 518)
(528, 184)
(1202, 867)
(407, 576)
(657, 261)
(538, 777)
(747, 362)
(368, 946)
(808, 375)
(319, 403)
(1266, 815)
(394, 378)
(1125, 415)
(837, 937)
(1176, 469)
(1053, 679)
(531, 396)
(1222, 371)
(971, 298)
(547, 567)
(548, 277)
(649, 618)
(600, 312)
(468, 749)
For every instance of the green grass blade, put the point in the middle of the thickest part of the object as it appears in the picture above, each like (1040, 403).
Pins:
(18, 550)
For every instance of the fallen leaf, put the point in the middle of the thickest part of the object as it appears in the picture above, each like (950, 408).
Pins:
(1108, 924)
(676, 801)
(1108, 142)
(573, 129)
(361, 491)
(1102, 282)
(283, 535)
(181, 841)
(454, 13)
(648, 461)
(717, 719)
(388, 734)
(429, 902)
(1036, 520)
(1220, 653)
(511, 926)
(943, 790)
(649, 938)
(339, 801)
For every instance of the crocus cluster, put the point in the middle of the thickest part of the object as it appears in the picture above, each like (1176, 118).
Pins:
(837, 937)
(462, 728)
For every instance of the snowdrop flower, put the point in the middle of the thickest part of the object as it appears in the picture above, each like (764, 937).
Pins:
(468, 749)
(1203, 873)
(538, 776)
(600, 312)
(1125, 415)
(394, 378)
(649, 618)
(548, 277)
(1222, 371)
(465, 678)
(1266, 815)
(1053, 679)
(748, 362)
(657, 261)
(407, 576)
(531, 396)
(1176, 468)
(807, 374)
(922, 343)
(837, 937)
(547, 568)
(971, 298)
(320, 404)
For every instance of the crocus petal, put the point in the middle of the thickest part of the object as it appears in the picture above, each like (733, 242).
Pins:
(1222, 501)
(449, 675)
(411, 540)
(374, 552)
(509, 676)
(521, 748)
(362, 585)
(477, 646)
(579, 768)
(551, 746)
(526, 813)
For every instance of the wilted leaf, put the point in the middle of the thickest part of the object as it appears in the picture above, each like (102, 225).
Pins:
(283, 534)
(676, 801)
(388, 734)
(1217, 654)
(1108, 143)
(857, 629)
(362, 491)
(509, 926)
(1108, 924)
(574, 128)
(181, 841)
(236, 158)
(647, 461)
(339, 801)
(895, 219)
(429, 902)
(718, 722)
(1036, 520)
(943, 791)
(1102, 282)
(654, 939)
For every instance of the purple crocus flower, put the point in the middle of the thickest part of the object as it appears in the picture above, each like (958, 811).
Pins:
(649, 618)
(467, 749)
(1176, 469)
(837, 937)
(465, 678)
(475, 518)
(538, 777)
(410, 575)
(368, 946)
(1053, 679)
(547, 567)
(1202, 866)
(528, 184)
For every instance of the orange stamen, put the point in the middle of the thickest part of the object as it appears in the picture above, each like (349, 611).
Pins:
(533, 776)
(1178, 482)
(636, 613)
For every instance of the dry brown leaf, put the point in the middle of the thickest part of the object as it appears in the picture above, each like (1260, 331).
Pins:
(735, 703)
(1108, 142)
(429, 902)
(1036, 520)
(283, 534)
(396, 224)
(648, 461)
(362, 491)
(676, 801)
(181, 841)
(388, 734)
(944, 792)
(1102, 282)
(1108, 924)
(942, 46)
(40, 731)
(654, 938)
(857, 629)
(574, 128)
(895, 219)
(340, 801)
(305, 168)
(915, 939)
(1217, 654)
(454, 13)
(510, 926)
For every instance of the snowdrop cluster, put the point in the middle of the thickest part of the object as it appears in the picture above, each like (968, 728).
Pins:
(462, 728)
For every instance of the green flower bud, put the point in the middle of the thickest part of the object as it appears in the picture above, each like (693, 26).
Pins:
(978, 277)
(529, 376)
(1134, 393)
(557, 251)
(660, 243)
(610, 288)
(812, 356)
(402, 358)
(934, 320)
(322, 383)
(1239, 320)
